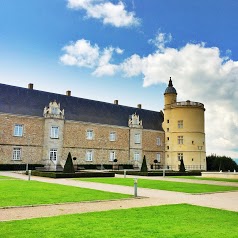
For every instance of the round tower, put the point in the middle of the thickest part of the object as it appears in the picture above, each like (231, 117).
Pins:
(184, 132)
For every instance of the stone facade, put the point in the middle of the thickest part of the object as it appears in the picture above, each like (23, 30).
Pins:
(48, 138)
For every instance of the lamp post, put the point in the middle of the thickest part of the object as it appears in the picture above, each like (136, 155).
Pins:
(200, 149)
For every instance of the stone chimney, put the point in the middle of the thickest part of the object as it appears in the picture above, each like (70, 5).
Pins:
(68, 93)
(139, 106)
(30, 86)
(116, 102)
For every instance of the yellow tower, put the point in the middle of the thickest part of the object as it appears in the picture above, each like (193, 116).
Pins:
(184, 132)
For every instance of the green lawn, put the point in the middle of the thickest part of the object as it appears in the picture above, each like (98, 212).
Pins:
(164, 185)
(212, 179)
(170, 221)
(5, 177)
(19, 192)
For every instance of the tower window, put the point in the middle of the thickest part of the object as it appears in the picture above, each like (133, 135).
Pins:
(167, 121)
(137, 139)
(180, 156)
(167, 138)
(54, 132)
(180, 124)
(167, 129)
(167, 147)
(180, 140)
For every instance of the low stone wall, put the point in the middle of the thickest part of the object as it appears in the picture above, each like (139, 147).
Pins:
(229, 175)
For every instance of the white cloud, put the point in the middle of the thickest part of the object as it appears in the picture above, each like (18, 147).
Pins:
(104, 67)
(109, 13)
(83, 54)
(161, 39)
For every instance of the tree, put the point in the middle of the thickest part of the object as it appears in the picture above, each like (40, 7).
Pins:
(144, 165)
(217, 163)
(69, 167)
(181, 167)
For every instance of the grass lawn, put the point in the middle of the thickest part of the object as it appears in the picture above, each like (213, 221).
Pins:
(202, 178)
(164, 185)
(20, 192)
(5, 177)
(170, 221)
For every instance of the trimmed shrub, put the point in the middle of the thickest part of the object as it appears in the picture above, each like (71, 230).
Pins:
(181, 167)
(69, 167)
(144, 165)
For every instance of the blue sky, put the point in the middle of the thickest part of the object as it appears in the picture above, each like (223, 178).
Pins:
(127, 50)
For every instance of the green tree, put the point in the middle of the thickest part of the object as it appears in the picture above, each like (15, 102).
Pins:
(217, 163)
(144, 165)
(69, 167)
(181, 167)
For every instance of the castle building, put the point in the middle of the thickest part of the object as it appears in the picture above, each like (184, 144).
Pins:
(39, 127)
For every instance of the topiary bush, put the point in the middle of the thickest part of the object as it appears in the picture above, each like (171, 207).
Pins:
(69, 167)
(181, 167)
(144, 166)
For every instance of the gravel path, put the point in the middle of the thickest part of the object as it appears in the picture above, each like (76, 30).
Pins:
(148, 197)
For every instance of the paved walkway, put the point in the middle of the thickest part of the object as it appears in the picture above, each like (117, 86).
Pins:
(148, 197)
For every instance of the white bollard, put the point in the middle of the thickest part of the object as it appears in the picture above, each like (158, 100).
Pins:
(163, 172)
(29, 174)
(135, 187)
(124, 173)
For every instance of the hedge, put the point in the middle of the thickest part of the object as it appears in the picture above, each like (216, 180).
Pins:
(52, 174)
(14, 167)
(160, 173)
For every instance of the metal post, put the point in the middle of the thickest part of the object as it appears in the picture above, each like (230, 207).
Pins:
(124, 173)
(163, 172)
(29, 174)
(135, 187)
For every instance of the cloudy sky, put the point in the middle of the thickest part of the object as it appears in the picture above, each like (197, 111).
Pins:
(127, 50)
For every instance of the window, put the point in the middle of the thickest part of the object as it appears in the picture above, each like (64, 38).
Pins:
(54, 110)
(167, 129)
(158, 157)
(158, 140)
(180, 124)
(112, 136)
(167, 121)
(18, 130)
(192, 142)
(54, 132)
(112, 156)
(136, 156)
(16, 154)
(167, 147)
(180, 140)
(180, 156)
(137, 138)
(89, 135)
(53, 154)
(89, 155)
(167, 138)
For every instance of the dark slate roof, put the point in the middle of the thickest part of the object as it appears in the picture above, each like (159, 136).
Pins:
(17, 100)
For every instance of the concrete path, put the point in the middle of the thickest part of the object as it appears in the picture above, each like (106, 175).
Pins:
(148, 197)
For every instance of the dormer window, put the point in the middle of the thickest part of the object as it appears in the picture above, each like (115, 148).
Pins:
(53, 111)
(134, 121)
